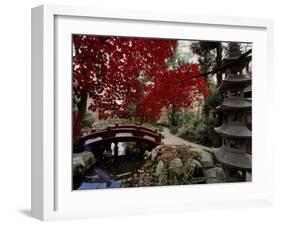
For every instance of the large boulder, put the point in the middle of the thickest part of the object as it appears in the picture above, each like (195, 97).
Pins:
(214, 175)
(160, 168)
(147, 155)
(206, 157)
(176, 165)
(81, 162)
(154, 153)
(196, 168)
(161, 173)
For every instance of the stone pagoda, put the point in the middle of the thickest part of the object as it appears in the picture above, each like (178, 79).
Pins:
(233, 154)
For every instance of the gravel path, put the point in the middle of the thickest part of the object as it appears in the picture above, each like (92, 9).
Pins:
(171, 139)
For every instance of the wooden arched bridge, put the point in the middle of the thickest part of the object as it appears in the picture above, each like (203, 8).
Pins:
(102, 139)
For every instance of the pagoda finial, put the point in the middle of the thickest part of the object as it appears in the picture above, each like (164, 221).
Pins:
(233, 51)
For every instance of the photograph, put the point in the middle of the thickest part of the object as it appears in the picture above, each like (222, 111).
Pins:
(159, 112)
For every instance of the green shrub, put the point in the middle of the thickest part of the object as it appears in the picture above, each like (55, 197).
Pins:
(87, 123)
(201, 131)
(174, 176)
(211, 102)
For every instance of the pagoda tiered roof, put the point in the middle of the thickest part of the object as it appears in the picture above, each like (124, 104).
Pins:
(234, 82)
(235, 104)
(233, 52)
(232, 159)
(235, 131)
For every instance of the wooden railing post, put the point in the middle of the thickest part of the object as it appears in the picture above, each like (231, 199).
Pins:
(115, 150)
(108, 149)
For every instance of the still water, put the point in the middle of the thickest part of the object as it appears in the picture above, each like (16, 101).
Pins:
(101, 176)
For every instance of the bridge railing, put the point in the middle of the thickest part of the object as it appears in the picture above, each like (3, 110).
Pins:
(129, 131)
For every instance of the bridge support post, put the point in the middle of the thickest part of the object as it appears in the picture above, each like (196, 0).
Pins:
(108, 149)
(138, 145)
(115, 150)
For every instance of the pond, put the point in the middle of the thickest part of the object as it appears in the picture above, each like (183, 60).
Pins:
(110, 172)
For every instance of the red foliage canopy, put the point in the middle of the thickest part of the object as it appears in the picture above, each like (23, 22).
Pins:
(107, 69)
(110, 70)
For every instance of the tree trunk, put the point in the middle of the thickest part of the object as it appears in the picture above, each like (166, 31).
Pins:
(219, 62)
(219, 74)
(198, 111)
(82, 104)
(173, 114)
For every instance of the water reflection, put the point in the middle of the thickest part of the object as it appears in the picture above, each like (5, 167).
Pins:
(99, 179)
(121, 148)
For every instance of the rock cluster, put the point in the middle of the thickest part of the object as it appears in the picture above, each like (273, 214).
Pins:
(170, 165)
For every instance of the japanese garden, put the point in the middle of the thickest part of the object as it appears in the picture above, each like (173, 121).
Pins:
(160, 112)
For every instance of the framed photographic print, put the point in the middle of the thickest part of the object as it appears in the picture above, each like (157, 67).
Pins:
(137, 112)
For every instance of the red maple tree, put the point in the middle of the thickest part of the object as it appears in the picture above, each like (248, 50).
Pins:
(107, 69)
(172, 89)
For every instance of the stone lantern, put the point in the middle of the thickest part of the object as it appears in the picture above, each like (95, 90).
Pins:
(235, 109)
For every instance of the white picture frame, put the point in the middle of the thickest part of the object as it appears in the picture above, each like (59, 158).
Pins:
(52, 197)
